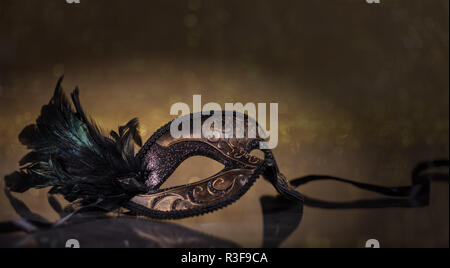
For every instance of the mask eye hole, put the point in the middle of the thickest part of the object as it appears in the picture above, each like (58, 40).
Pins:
(192, 170)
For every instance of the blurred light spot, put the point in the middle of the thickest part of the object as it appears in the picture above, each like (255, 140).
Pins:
(193, 37)
(222, 16)
(194, 5)
(190, 20)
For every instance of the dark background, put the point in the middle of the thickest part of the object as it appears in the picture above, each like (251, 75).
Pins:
(363, 92)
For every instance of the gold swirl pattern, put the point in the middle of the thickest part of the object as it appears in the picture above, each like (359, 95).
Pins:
(205, 192)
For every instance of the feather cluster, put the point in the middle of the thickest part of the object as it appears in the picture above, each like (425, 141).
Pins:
(70, 154)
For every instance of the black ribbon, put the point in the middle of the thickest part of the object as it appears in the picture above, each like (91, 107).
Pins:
(416, 195)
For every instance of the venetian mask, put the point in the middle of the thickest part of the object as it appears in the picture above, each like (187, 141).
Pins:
(162, 154)
(71, 155)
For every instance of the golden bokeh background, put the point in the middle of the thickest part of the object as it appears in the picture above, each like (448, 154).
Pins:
(363, 93)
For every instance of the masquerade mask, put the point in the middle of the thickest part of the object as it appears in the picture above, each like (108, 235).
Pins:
(162, 154)
(70, 155)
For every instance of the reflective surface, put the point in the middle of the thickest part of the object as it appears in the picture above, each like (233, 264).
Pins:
(281, 217)
(362, 91)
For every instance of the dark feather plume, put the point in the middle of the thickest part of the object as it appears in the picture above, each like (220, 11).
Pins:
(70, 154)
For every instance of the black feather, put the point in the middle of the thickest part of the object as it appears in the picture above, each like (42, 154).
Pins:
(70, 154)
